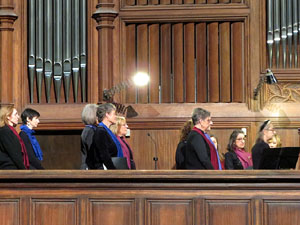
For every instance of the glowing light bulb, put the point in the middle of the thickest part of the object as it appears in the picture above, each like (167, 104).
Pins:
(141, 79)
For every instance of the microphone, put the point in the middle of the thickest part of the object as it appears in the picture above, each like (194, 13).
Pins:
(155, 158)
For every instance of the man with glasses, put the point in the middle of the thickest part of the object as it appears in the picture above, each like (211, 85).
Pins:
(201, 152)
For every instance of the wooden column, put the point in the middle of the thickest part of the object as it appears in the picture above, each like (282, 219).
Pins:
(105, 16)
(7, 19)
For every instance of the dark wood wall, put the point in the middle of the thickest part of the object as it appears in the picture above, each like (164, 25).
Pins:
(198, 53)
(149, 197)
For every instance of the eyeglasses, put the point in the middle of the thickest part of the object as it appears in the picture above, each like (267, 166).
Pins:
(241, 139)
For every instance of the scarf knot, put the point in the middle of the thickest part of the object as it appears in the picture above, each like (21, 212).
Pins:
(35, 145)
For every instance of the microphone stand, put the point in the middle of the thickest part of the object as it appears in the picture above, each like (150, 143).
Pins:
(155, 158)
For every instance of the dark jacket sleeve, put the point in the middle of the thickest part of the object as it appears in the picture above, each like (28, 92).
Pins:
(232, 162)
(34, 162)
(11, 151)
(257, 154)
(102, 149)
(180, 153)
(86, 142)
(201, 151)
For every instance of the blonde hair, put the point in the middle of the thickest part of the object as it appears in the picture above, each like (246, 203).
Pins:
(5, 112)
(115, 128)
(277, 139)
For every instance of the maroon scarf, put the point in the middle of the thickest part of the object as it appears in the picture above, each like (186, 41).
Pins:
(24, 151)
(213, 153)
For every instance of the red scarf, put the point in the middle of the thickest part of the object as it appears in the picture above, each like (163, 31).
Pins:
(24, 151)
(244, 157)
(213, 153)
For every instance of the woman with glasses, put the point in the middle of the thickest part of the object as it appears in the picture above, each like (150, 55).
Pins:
(237, 158)
(266, 132)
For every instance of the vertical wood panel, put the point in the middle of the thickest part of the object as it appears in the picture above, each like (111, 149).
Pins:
(224, 1)
(237, 1)
(166, 63)
(112, 212)
(225, 62)
(165, 2)
(189, 60)
(217, 212)
(141, 2)
(188, 1)
(178, 62)
(9, 212)
(279, 212)
(144, 148)
(58, 212)
(130, 60)
(237, 61)
(153, 2)
(142, 59)
(212, 1)
(213, 62)
(130, 2)
(201, 62)
(200, 1)
(154, 62)
(176, 1)
(175, 212)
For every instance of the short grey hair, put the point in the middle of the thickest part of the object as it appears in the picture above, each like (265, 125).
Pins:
(199, 113)
(103, 109)
(88, 114)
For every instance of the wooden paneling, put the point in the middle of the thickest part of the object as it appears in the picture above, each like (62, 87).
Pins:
(165, 32)
(142, 59)
(225, 62)
(237, 62)
(189, 61)
(56, 211)
(223, 212)
(9, 212)
(130, 60)
(213, 62)
(112, 212)
(154, 69)
(61, 150)
(169, 212)
(278, 212)
(201, 55)
(178, 62)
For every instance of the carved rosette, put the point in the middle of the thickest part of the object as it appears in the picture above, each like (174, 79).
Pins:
(283, 93)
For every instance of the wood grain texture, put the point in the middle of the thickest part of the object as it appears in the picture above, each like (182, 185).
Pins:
(142, 60)
(189, 62)
(213, 62)
(154, 63)
(201, 55)
(225, 73)
(177, 34)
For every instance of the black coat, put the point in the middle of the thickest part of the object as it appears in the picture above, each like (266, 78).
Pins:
(102, 149)
(232, 162)
(86, 142)
(34, 162)
(197, 155)
(257, 154)
(180, 153)
(10, 150)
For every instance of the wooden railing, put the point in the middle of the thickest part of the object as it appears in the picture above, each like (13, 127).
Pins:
(149, 197)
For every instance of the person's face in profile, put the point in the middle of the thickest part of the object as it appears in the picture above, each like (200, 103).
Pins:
(112, 117)
(13, 118)
(214, 140)
(123, 129)
(240, 141)
(206, 123)
(270, 132)
(273, 143)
